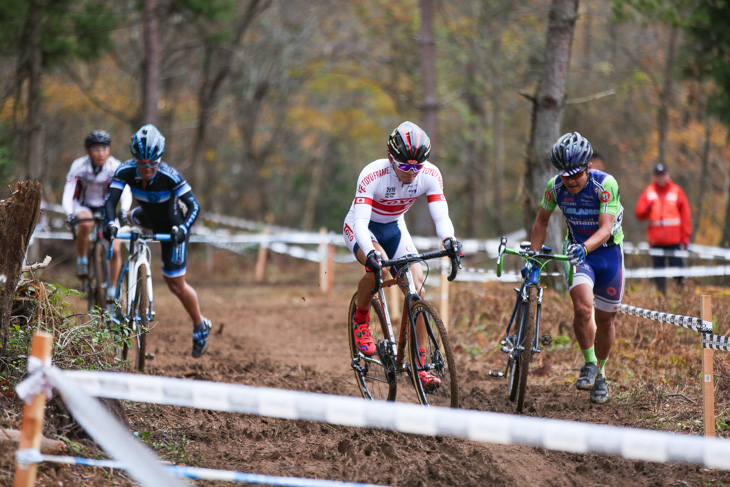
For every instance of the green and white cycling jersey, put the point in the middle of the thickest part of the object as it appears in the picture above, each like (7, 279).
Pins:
(600, 195)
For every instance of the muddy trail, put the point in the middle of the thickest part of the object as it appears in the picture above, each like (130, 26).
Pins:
(286, 334)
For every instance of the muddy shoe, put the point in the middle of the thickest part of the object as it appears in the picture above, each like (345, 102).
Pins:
(200, 337)
(82, 269)
(587, 377)
(599, 393)
(363, 338)
(429, 381)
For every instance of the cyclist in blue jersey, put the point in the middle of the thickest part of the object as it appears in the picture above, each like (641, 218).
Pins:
(590, 201)
(160, 189)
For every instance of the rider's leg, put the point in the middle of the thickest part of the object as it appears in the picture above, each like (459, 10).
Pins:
(605, 336)
(187, 296)
(367, 282)
(83, 232)
(115, 266)
(585, 333)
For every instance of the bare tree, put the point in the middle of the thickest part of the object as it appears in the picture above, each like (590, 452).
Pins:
(547, 111)
(152, 63)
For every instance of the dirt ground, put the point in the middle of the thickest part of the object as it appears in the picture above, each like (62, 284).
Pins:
(286, 334)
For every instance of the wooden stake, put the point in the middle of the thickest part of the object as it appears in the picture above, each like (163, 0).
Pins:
(708, 389)
(33, 413)
(260, 268)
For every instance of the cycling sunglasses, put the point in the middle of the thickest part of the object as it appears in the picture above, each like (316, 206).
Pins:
(409, 167)
(147, 163)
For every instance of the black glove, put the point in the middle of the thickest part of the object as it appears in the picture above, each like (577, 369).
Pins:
(453, 247)
(372, 263)
(110, 230)
(178, 234)
(71, 220)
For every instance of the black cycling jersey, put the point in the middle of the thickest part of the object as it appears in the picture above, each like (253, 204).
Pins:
(158, 198)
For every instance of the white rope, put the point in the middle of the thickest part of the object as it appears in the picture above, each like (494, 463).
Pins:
(408, 418)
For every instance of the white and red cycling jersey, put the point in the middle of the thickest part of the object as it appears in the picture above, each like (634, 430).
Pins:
(87, 188)
(382, 198)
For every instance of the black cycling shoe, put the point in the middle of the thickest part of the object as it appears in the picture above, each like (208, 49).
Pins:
(587, 377)
(599, 393)
(200, 337)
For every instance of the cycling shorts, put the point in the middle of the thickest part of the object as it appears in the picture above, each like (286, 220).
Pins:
(393, 237)
(603, 270)
(174, 257)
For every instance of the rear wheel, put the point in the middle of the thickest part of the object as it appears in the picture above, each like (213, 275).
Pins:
(98, 276)
(438, 359)
(372, 373)
(525, 356)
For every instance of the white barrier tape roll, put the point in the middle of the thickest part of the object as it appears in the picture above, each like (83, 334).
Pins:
(199, 473)
(689, 322)
(138, 459)
(716, 342)
(409, 418)
(36, 382)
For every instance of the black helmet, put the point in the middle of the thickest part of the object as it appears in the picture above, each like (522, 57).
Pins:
(148, 144)
(571, 154)
(409, 144)
(97, 137)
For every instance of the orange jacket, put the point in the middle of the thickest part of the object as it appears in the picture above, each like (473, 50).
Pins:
(667, 210)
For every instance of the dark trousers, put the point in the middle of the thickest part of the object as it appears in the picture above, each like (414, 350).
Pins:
(660, 263)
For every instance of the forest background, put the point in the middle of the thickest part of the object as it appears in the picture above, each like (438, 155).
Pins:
(271, 108)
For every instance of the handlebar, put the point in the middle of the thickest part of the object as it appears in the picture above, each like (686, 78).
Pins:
(136, 235)
(455, 264)
(539, 257)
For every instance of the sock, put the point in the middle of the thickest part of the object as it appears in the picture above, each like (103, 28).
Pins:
(590, 355)
(361, 314)
(82, 260)
(602, 366)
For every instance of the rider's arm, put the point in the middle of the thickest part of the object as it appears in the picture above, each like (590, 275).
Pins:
(605, 225)
(193, 208)
(363, 210)
(125, 202)
(68, 196)
(539, 229)
(437, 205)
(110, 205)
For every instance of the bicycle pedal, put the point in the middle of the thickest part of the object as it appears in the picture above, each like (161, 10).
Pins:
(546, 339)
(149, 356)
(496, 374)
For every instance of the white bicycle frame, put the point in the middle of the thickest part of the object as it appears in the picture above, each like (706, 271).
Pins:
(138, 256)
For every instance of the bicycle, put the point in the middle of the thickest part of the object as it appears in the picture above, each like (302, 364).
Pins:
(525, 316)
(94, 285)
(377, 376)
(134, 316)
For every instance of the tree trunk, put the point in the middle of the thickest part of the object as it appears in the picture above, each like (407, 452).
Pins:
(151, 90)
(665, 97)
(547, 114)
(18, 217)
(697, 208)
(34, 168)
(430, 102)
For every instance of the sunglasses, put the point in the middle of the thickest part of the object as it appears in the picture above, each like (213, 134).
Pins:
(147, 163)
(409, 167)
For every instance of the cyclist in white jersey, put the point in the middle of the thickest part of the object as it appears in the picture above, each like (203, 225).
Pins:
(87, 184)
(375, 226)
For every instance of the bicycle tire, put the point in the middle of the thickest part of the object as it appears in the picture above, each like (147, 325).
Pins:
(513, 366)
(525, 356)
(371, 374)
(141, 309)
(100, 273)
(439, 358)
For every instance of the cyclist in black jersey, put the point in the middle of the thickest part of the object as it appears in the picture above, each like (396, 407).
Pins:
(160, 189)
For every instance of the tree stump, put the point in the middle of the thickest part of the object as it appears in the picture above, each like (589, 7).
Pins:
(18, 217)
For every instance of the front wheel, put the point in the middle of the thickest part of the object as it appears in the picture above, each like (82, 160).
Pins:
(98, 276)
(521, 365)
(432, 354)
(140, 319)
(374, 375)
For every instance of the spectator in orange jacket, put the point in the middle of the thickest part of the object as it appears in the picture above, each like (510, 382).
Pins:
(664, 204)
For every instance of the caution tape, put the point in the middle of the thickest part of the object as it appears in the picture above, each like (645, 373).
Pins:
(716, 342)
(482, 426)
(689, 322)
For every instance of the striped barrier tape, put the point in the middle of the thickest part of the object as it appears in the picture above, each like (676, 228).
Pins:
(197, 473)
(481, 426)
(716, 342)
(689, 322)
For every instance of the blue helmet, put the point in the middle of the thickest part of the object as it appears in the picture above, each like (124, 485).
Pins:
(571, 154)
(148, 144)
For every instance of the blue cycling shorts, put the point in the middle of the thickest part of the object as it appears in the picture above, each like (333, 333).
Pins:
(603, 270)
